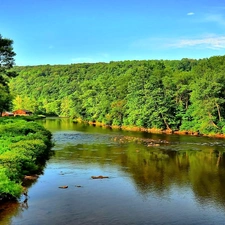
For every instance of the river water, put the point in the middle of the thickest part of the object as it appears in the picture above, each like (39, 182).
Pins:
(179, 182)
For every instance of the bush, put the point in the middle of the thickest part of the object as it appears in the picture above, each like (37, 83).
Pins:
(8, 188)
(25, 146)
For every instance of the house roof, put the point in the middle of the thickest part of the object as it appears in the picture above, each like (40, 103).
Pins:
(8, 112)
(24, 110)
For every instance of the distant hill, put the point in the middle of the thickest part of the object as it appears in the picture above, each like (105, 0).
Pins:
(182, 94)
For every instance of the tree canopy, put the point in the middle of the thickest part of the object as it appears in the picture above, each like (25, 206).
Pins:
(182, 94)
(6, 62)
(6, 53)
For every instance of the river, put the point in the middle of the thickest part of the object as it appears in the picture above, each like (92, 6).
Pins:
(179, 182)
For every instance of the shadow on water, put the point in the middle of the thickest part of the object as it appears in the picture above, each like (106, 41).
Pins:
(147, 183)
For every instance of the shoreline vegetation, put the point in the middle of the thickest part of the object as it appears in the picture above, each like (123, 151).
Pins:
(25, 147)
(180, 96)
(149, 130)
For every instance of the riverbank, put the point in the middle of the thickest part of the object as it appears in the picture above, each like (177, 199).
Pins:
(25, 147)
(151, 130)
(162, 177)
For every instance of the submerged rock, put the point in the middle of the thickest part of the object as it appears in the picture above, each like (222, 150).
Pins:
(99, 177)
(63, 187)
(146, 141)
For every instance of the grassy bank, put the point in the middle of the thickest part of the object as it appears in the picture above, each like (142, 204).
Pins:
(24, 147)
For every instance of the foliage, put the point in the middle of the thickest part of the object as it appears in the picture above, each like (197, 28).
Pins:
(24, 147)
(6, 62)
(182, 94)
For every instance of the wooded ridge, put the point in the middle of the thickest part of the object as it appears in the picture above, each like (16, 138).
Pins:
(185, 95)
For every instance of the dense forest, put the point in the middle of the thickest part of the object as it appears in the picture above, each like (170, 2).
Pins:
(185, 94)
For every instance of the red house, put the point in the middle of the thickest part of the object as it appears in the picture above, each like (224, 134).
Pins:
(22, 112)
(7, 114)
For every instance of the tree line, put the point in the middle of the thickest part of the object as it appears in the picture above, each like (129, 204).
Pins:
(182, 94)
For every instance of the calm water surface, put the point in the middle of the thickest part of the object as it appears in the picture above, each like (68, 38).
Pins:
(182, 182)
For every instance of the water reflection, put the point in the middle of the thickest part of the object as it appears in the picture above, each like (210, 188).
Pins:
(198, 162)
(10, 209)
(156, 169)
(148, 185)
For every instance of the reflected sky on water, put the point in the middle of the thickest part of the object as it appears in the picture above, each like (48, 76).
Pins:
(181, 182)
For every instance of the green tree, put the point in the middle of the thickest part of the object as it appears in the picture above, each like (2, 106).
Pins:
(6, 62)
(164, 94)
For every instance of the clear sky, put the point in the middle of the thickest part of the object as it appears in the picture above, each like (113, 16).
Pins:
(74, 31)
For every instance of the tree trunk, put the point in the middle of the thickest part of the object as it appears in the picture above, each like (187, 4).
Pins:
(210, 115)
(164, 120)
(218, 110)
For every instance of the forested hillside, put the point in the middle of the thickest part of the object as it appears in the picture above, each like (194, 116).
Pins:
(166, 94)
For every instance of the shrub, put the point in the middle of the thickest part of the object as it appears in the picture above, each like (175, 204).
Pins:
(25, 146)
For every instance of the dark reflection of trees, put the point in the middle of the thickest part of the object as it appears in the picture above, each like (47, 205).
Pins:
(11, 209)
(8, 210)
(157, 169)
(208, 177)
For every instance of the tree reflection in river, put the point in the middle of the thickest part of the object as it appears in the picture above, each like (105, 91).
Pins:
(173, 179)
(198, 162)
(154, 169)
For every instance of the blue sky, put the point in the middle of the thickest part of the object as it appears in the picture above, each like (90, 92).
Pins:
(76, 31)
